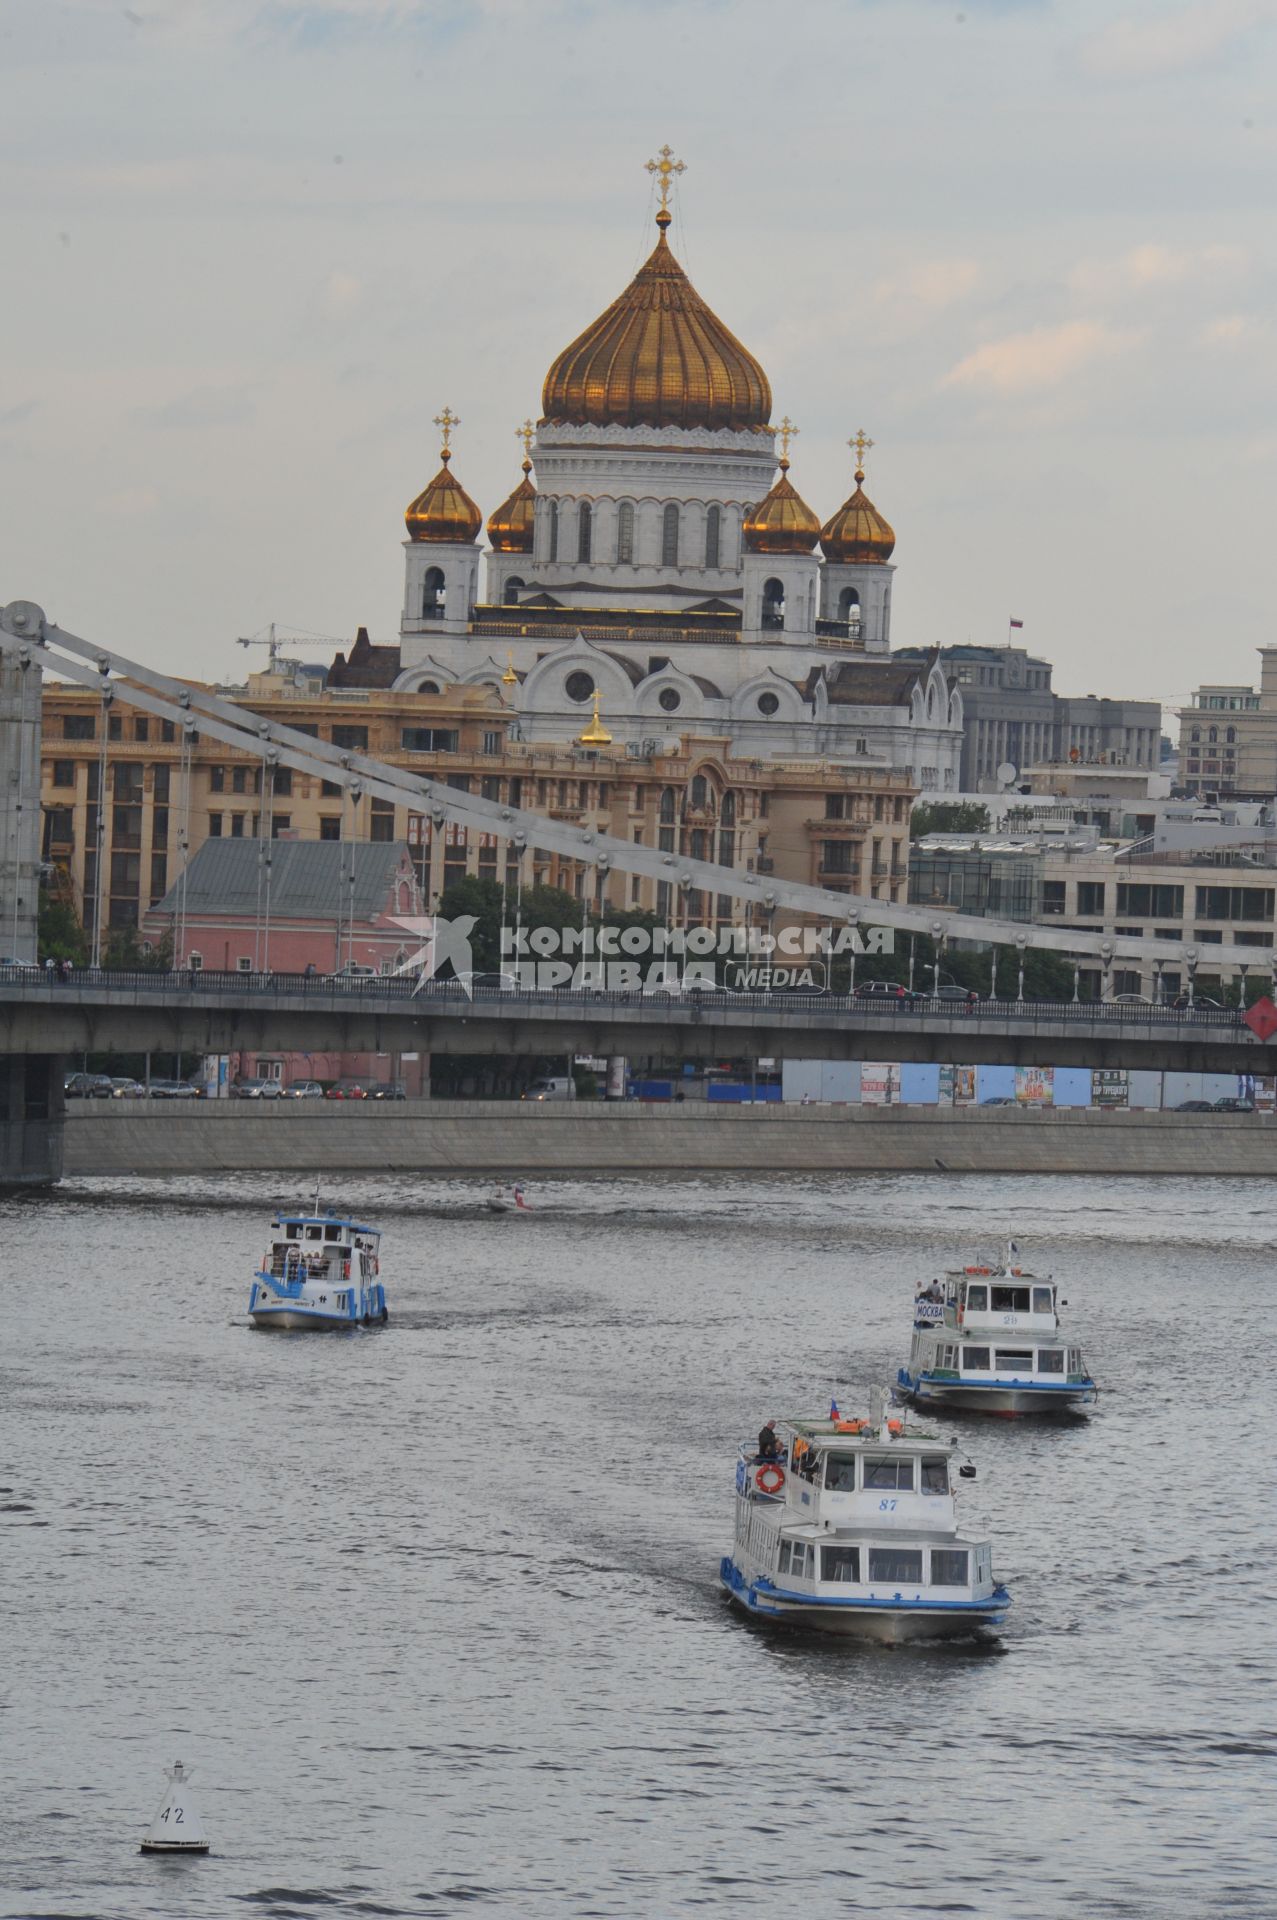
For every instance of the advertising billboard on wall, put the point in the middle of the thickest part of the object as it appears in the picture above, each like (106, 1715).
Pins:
(1033, 1086)
(879, 1083)
(1109, 1087)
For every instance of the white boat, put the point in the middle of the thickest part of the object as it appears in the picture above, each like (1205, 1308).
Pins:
(854, 1530)
(320, 1271)
(988, 1339)
(508, 1200)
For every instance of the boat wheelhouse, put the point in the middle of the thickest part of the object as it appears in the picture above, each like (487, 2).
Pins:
(988, 1339)
(853, 1530)
(320, 1271)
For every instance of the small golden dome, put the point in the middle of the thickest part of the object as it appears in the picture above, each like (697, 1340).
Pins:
(657, 358)
(444, 514)
(595, 734)
(783, 522)
(510, 527)
(858, 535)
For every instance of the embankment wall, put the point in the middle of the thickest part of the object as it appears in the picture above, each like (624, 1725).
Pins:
(493, 1137)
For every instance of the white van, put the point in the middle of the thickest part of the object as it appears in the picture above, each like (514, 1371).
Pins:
(564, 1089)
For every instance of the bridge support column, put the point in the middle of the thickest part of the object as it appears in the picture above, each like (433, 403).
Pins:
(31, 1119)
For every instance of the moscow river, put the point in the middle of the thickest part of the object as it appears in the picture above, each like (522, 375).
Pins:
(433, 1612)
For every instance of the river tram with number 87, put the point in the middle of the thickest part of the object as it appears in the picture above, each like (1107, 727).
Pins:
(853, 1529)
(987, 1339)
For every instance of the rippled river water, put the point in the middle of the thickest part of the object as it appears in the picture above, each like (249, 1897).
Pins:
(433, 1612)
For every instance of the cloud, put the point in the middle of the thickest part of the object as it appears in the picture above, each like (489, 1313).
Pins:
(128, 503)
(1151, 266)
(1233, 330)
(1169, 40)
(928, 283)
(1043, 357)
(201, 408)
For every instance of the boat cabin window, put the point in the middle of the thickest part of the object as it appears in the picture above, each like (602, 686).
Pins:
(975, 1359)
(895, 1563)
(1013, 1360)
(1050, 1360)
(1042, 1300)
(1010, 1299)
(292, 1230)
(841, 1564)
(949, 1566)
(1075, 1360)
(840, 1474)
(314, 1233)
(796, 1557)
(332, 1233)
(888, 1470)
(977, 1299)
(935, 1473)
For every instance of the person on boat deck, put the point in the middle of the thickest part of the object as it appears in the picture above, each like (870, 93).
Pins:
(769, 1447)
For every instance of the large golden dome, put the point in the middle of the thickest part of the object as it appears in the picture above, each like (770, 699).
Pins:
(781, 523)
(444, 514)
(657, 358)
(857, 535)
(510, 527)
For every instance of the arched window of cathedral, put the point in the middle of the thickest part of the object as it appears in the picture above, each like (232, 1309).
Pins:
(584, 531)
(768, 704)
(427, 686)
(513, 588)
(1212, 735)
(727, 811)
(625, 533)
(1196, 734)
(849, 606)
(713, 520)
(670, 699)
(433, 594)
(669, 536)
(667, 803)
(700, 791)
(552, 514)
(773, 604)
(578, 686)
(1230, 735)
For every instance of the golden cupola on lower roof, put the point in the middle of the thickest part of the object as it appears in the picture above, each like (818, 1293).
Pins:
(510, 527)
(444, 514)
(782, 522)
(659, 357)
(858, 535)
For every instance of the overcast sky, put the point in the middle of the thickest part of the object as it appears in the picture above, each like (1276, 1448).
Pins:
(252, 247)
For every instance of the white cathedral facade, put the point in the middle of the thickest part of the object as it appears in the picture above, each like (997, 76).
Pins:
(661, 570)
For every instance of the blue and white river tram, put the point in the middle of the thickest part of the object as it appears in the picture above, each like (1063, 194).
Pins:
(853, 1529)
(320, 1271)
(988, 1339)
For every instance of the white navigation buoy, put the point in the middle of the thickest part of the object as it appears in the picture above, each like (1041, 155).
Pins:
(177, 1827)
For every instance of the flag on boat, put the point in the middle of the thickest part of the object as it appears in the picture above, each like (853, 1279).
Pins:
(833, 1410)
(1017, 623)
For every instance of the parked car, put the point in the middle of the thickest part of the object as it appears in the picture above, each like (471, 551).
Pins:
(353, 970)
(9, 965)
(965, 996)
(347, 1090)
(1182, 1004)
(87, 1086)
(304, 1090)
(175, 1090)
(387, 1090)
(1194, 1106)
(551, 1089)
(885, 990)
(1128, 1000)
(252, 1087)
(1231, 1105)
(126, 1088)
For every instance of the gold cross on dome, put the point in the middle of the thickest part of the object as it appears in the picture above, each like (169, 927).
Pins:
(862, 443)
(446, 421)
(526, 433)
(667, 166)
(787, 431)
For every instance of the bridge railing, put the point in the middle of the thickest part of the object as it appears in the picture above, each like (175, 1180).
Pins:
(404, 991)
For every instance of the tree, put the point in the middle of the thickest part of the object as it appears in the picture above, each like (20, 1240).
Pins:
(125, 951)
(59, 933)
(948, 816)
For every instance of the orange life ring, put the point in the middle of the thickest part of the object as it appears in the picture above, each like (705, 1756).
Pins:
(850, 1426)
(895, 1428)
(764, 1474)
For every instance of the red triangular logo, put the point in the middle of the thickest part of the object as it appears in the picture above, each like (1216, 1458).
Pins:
(1262, 1019)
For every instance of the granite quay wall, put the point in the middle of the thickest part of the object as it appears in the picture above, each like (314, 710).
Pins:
(496, 1137)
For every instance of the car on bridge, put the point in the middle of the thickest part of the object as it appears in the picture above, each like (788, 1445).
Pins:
(87, 1086)
(887, 992)
(1231, 1105)
(175, 1090)
(347, 1090)
(304, 1090)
